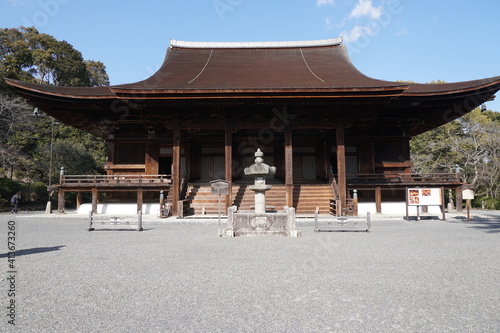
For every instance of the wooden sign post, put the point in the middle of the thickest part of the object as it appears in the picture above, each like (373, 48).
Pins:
(468, 194)
(220, 187)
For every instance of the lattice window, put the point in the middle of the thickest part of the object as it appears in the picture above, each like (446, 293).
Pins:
(166, 151)
(309, 167)
(219, 168)
(212, 167)
(351, 165)
(297, 167)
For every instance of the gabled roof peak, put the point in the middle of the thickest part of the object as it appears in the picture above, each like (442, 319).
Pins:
(255, 45)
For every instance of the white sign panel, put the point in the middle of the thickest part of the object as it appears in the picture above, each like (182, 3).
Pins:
(425, 197)
(468, 194)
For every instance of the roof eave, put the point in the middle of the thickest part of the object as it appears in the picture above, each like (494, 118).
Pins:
(54, 91)
(261, 93)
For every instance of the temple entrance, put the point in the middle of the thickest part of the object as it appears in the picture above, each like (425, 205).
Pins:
(165, 165)
(304, 167)
(212, 167)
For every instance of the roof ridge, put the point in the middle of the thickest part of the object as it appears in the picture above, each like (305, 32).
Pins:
(255, 45)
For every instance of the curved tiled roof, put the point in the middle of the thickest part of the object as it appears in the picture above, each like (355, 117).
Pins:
(257, 66)
(444, 88)
(312, 75)
(204, 68)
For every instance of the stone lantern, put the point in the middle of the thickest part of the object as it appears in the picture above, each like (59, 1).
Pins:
(260, 170)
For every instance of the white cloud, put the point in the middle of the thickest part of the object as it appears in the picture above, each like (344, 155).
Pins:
(355, 33)
(365, 8)
(325, 2)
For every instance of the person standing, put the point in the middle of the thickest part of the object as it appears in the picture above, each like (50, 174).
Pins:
(16, 201)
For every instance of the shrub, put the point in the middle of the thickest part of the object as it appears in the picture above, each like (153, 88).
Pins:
(8, 188)
(486, 203)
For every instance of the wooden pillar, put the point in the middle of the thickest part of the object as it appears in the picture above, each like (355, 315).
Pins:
(228, 154)
(341, 168)
(139, 199)
(176, 170)
(111, 157)
(60, 201)
(78, 200)
(94, 200)
(323, 157)
(151, 159)
(289, 166)
(378, 199)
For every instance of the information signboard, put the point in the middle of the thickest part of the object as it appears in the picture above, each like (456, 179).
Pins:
(417, 196)
(425, 197)
(220, 186)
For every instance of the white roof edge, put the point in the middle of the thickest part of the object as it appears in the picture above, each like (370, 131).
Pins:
(254, 45)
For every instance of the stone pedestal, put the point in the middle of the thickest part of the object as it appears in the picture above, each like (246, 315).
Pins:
(248, 223)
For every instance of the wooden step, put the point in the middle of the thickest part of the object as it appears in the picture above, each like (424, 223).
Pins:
(306, 198)
(309, 197)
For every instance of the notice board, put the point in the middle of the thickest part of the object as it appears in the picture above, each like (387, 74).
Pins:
(425, 196)
(418, 196)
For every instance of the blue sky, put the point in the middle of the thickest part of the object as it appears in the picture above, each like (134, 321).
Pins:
(417, 40)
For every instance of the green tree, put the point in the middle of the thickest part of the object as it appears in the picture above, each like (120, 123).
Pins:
(30, 140)
(28, 55)
(97, 73)
(472, 142)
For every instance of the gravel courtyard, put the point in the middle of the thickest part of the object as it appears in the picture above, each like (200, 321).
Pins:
(418, 276)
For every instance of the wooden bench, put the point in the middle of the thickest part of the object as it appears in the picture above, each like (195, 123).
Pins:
(115, 222)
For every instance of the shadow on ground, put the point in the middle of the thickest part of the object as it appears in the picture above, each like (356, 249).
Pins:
(487, 224)
(34, 250)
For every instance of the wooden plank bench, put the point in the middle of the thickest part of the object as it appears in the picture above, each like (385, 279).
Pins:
(115, 221)
(342, 223)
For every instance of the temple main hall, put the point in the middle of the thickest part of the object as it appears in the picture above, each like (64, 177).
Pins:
(330, 130)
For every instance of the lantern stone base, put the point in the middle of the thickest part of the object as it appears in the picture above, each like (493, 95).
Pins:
(248, 223)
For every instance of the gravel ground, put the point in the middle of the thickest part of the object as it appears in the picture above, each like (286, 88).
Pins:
(418, 276)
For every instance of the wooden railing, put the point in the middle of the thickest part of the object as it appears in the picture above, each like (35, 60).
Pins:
(334, 185)
(103, 180)
(404, 178)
